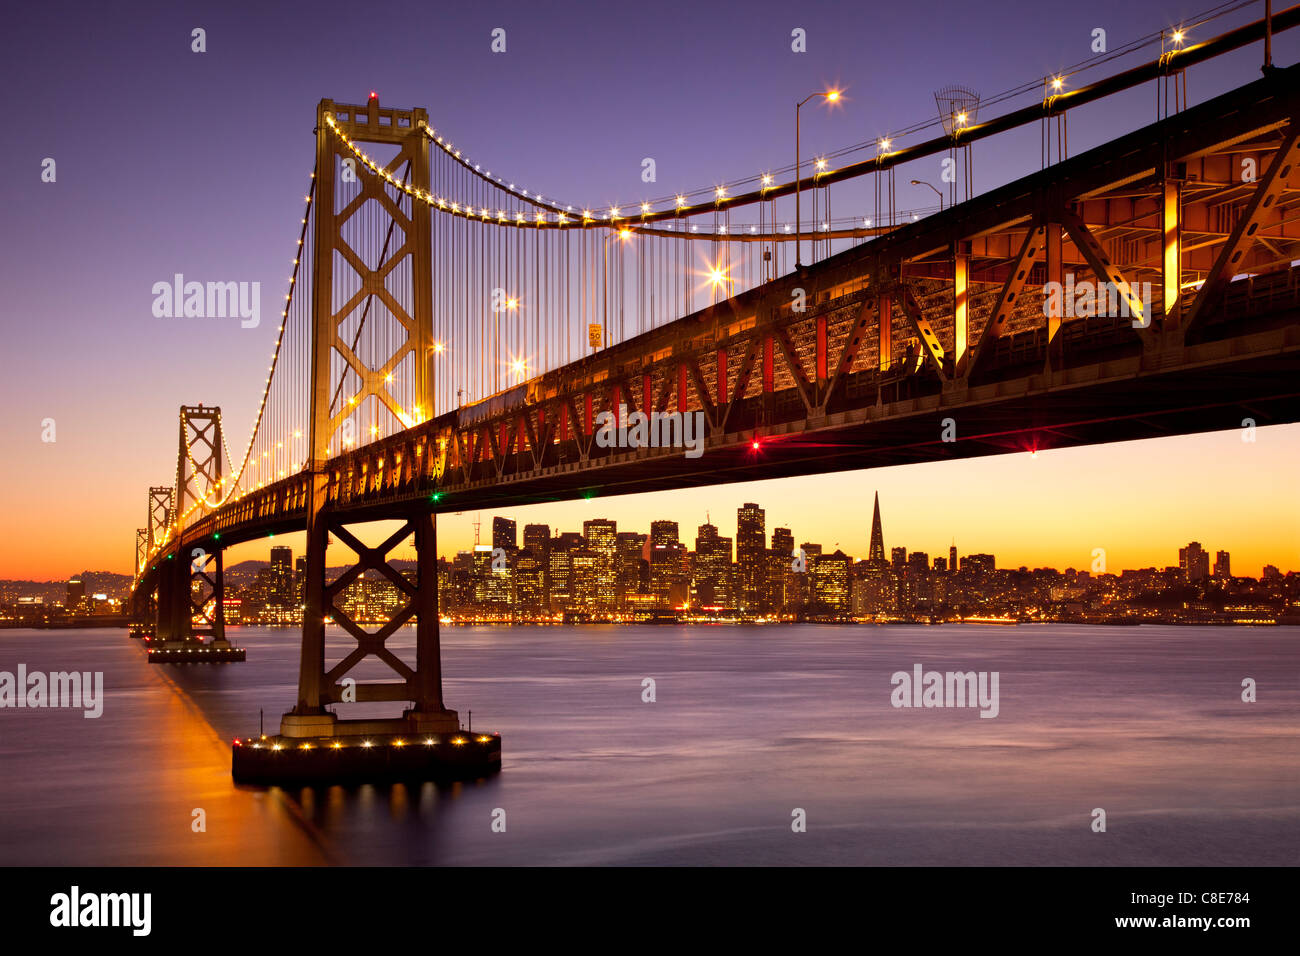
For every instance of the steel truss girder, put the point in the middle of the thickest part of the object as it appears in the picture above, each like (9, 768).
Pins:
(421, 684)
(161, 508)
(200, 428)
(363, 126)
(211, 590)
(1270, 188)
(1005, 304)
(370, 645)
(1099, 260)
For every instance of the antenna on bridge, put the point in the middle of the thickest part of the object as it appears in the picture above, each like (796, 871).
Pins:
(1267, 68)
(958, 109)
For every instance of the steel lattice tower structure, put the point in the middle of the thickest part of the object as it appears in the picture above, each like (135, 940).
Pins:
(317, 687)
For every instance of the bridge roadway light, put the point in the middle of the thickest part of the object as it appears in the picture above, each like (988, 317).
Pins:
(831, 96)
(921, 182)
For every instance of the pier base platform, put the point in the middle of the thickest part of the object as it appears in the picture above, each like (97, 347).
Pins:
(192, 653)
(303, 761)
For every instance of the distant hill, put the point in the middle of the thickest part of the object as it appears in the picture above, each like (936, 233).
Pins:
(55, 592)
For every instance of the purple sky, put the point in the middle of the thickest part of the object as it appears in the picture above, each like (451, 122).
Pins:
(171, 161)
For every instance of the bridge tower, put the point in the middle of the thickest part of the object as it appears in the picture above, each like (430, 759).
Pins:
(160, 521)
(400, 134)
(143, 609)
(141, 549)
(193, 585)
(203, 572)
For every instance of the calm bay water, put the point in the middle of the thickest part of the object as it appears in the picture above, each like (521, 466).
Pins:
(749, 723)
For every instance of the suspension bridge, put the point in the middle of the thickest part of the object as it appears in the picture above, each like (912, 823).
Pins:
(452, 339)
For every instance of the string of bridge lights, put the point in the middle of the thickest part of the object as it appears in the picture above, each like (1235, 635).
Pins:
(279, 342)
(681, 204)
(231, 484)
(564, 214)
(613, 218)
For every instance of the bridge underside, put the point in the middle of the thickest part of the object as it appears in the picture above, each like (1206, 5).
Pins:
(1103, 403)
(1030, 415)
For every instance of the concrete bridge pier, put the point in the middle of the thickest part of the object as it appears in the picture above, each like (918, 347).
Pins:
(172, 585)
(177, 640)
(421, 685)
(315, 745)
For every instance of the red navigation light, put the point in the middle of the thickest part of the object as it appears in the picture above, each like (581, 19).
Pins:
(374, 95)
(754, 444)
(236, 741)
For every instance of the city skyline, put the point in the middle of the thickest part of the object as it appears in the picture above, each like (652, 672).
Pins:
(491, 529)
(669, 574)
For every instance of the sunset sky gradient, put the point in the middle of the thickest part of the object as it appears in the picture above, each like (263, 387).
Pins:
(170, 161)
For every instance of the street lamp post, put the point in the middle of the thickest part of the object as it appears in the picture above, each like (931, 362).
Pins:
(831, 97)
(921, 182)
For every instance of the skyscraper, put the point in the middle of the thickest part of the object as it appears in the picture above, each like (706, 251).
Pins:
(631, 578)
(529, 577)
(282, 589)
(750, 554)
(491, 587)
(1222, 565)
(537, 539)
(1194, 561)
(779, 562)
(711, 571)
(670, 577)
(503, 534)
(663, 533)
(560, 569)
(877, 552)
(602, 538)
(585, 578)
(829, 583)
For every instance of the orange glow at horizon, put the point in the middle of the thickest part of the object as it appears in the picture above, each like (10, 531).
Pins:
(1140, 501)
